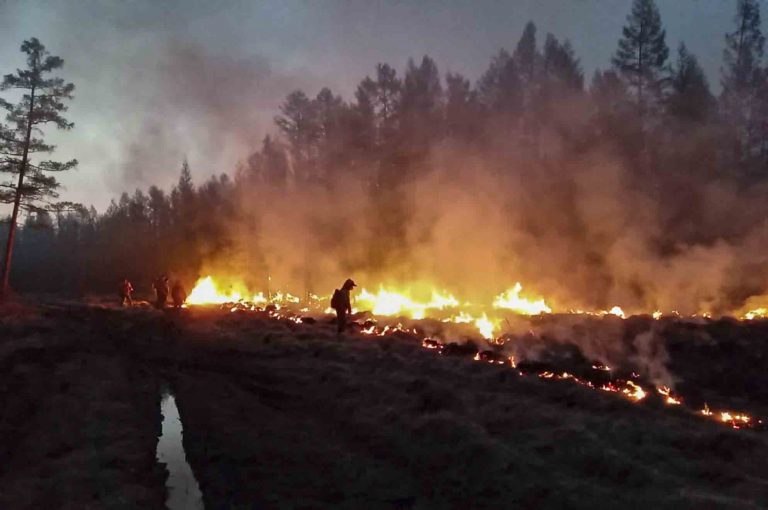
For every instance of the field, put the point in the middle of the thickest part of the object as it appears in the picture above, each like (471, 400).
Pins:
(278, 414)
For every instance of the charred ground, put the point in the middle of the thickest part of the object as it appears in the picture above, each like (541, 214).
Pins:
(284, 415)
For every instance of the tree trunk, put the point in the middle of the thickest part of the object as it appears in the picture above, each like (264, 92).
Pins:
(5, 288)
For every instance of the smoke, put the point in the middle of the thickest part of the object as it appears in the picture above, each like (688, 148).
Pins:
(576, 229)
(580, 229)
(577, 234)
(197, 104)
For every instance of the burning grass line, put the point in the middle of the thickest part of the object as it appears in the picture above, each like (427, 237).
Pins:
(628, 389)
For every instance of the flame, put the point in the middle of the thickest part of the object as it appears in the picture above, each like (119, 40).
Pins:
(461, 318)
(486, 326)
(757, 313)
(391, 302)
(511, 300)
(668, 398)
(630, 390)
(208, 292)
(205, 292)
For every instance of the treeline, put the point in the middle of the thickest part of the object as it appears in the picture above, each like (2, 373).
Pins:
(652, 109)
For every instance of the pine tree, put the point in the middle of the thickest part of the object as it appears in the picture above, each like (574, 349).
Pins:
(421, 104)
(31, 186)
(332, 120)
(461, 109)
(690, 98)
(525, 56)
(379, 102)
(743, 80)
(299, 124)
(641, 57)
(185, 186)
(561, 68)
(499, 89)
(613, 108)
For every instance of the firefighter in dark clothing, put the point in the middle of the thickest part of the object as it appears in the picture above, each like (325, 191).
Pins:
(161, 291)
(342, 304)
(126, 290)
(178, 294)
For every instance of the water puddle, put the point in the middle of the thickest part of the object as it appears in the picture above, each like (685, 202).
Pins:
(183, 490)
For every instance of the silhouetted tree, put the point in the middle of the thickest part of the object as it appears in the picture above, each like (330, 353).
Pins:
(382, 96)
(744, 81)
(299, 125)
(421, 104)
(499, 89)
(333, 120)
(462, 117)
(526, 57)
(31, 185)
(690, 98)
(641, 58)
(561, 68)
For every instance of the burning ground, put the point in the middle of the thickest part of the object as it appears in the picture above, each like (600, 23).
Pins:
(280, 413)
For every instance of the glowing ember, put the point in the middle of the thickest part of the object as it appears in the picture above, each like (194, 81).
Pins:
(600, 366)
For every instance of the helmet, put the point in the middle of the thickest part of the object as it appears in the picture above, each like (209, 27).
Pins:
(349, 284)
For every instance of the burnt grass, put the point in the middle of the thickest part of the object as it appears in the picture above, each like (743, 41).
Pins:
(290, 416)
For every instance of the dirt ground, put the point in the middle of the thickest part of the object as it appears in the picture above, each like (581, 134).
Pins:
(290, 416)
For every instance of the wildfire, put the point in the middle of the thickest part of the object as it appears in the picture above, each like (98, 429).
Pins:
(757, 313)
(668, 398)
(629, 389)
(486, 326)
(391, 302)
(394, 303)
(511, 300)
(205, 292)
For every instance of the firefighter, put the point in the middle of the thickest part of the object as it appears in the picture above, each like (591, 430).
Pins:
(161, 291)
(342, 304)
(126, 291)
(178, 294)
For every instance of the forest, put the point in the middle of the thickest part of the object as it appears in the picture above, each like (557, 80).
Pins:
(643, 184)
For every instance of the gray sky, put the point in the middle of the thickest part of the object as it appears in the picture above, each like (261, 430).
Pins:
(158, 80)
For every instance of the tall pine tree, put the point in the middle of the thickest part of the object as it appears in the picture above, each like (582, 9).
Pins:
(690, 99)
(743, 81)
(641, 58)
(31, 185)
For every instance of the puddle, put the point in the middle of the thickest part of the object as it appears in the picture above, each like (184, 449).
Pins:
(183, 490)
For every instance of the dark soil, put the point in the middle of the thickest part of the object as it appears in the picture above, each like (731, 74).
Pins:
(289, 416)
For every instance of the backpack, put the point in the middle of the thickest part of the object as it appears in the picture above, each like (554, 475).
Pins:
(337, 300)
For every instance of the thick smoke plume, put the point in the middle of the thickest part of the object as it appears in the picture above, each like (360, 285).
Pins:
(577, 233)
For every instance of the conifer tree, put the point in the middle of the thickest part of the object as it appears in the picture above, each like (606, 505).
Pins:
(31, 184)
(641, 58)
(742, 99)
